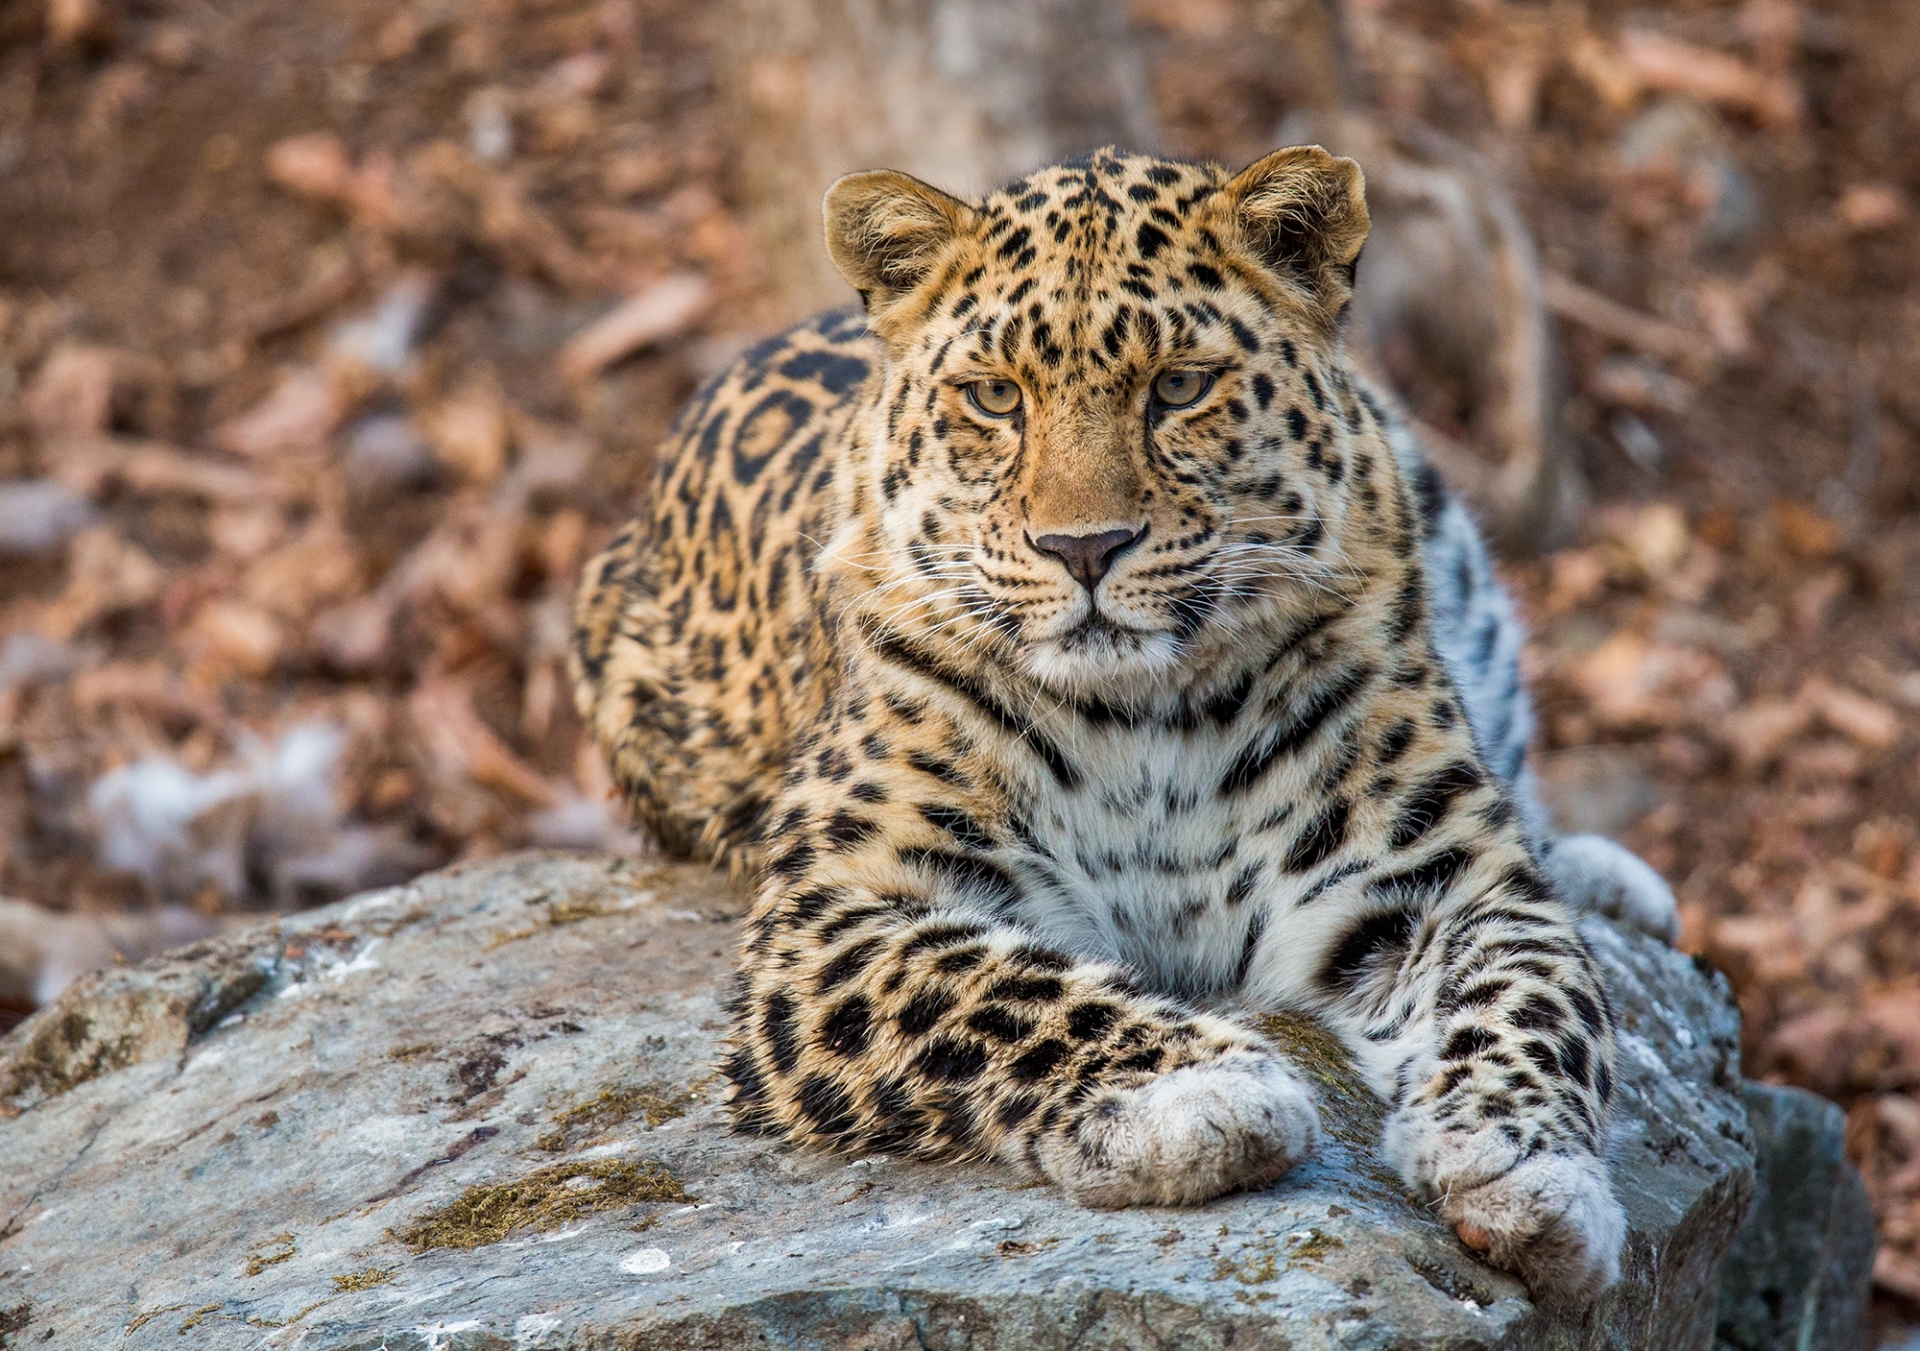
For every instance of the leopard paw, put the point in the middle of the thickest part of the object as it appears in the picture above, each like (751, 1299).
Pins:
(1551, 1218)
(1592, 872)
(1233, 1123)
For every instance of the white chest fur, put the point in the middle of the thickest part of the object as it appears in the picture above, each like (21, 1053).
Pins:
(1148, 863)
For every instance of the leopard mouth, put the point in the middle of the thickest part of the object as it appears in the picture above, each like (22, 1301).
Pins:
(1098, 629)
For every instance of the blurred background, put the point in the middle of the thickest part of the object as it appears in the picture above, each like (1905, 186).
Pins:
(335, 335)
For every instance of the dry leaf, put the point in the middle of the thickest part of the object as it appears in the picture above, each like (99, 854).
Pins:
(468, 429)
(301, 413)
(72, 393)
(1868, 721)
(664, 310)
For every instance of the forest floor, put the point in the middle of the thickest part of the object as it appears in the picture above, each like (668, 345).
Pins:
(335, 336)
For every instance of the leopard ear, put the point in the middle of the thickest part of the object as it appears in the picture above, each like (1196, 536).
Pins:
(886, 230)
(1303, 212)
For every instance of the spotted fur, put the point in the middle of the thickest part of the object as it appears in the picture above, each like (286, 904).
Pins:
(1017, 824)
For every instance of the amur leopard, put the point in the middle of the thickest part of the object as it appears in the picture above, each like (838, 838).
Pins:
(1079, 656)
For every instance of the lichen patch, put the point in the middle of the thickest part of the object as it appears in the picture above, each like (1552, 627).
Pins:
(543, 1200)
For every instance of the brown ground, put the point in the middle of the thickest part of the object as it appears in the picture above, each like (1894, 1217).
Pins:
(289, 523)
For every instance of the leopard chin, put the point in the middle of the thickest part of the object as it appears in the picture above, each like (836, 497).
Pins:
(1107, 661)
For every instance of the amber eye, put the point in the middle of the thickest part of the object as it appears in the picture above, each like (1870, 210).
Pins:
(1177, 389)
(995, 398)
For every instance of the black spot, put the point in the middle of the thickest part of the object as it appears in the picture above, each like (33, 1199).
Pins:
(1016, 1109)
(1257, 757)
(1039, 959)
(1425, 879)
(1150, 239)
(806, 906)
(745, 1075)
(848, 1028)
(1263, 390)
(1451, 1080)
(826, 1105)
(966, 873)
(940, 769)
(1374, 942)
(847, 965)
(783, 1037)
(893, 648)
(1539, 1012)
(944, 934)
(1587, 1010)
(897, 1120)
(1431, 495)
(1256, 930)
(1428, 804)
(852, 917)
(923, 1011)
(1480, 994)
(1027, 989)
(795, 410)
(844, 829)
(1467, 1043)
(835, 370)
(1322, 837)
(1542, 1055)
(1575, 1060)
(1039, 1062)
(1090, 1020)
(1000, 1023)
(794, 861)
(956, 960)
(958, 824)
(952, 1060)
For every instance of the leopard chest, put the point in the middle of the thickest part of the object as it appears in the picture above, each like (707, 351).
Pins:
(1147, 860)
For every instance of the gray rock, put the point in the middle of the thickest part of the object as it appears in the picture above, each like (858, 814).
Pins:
(1800, 1273)
(37, 516)
(479, 1111)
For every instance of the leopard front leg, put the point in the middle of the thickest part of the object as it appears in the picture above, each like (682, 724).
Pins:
(1477, 1010)
(884, 1004)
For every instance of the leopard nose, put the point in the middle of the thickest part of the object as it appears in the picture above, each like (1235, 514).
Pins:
(1088, 557)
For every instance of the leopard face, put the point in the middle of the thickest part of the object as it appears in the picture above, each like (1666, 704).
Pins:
(1114, 424)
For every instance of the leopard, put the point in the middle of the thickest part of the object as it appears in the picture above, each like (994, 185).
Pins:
(1078, 660)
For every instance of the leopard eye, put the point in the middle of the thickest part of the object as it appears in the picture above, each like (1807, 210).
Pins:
(995, 398)
(1178, 389)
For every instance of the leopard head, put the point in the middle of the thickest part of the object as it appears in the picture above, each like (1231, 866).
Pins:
(1114, 425)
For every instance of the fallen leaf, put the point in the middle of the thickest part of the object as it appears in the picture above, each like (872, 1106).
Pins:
(1659, 62)
(468, 429)
(301, 413)
(314, 164)
(665, 309)
(231, 636)
(1868, 721)
(1897, 1273)
(71, 395)
(461, 745)
(1867, 208)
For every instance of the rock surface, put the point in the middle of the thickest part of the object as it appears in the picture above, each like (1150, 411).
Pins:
(1800, 1272)
(478, 1112)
